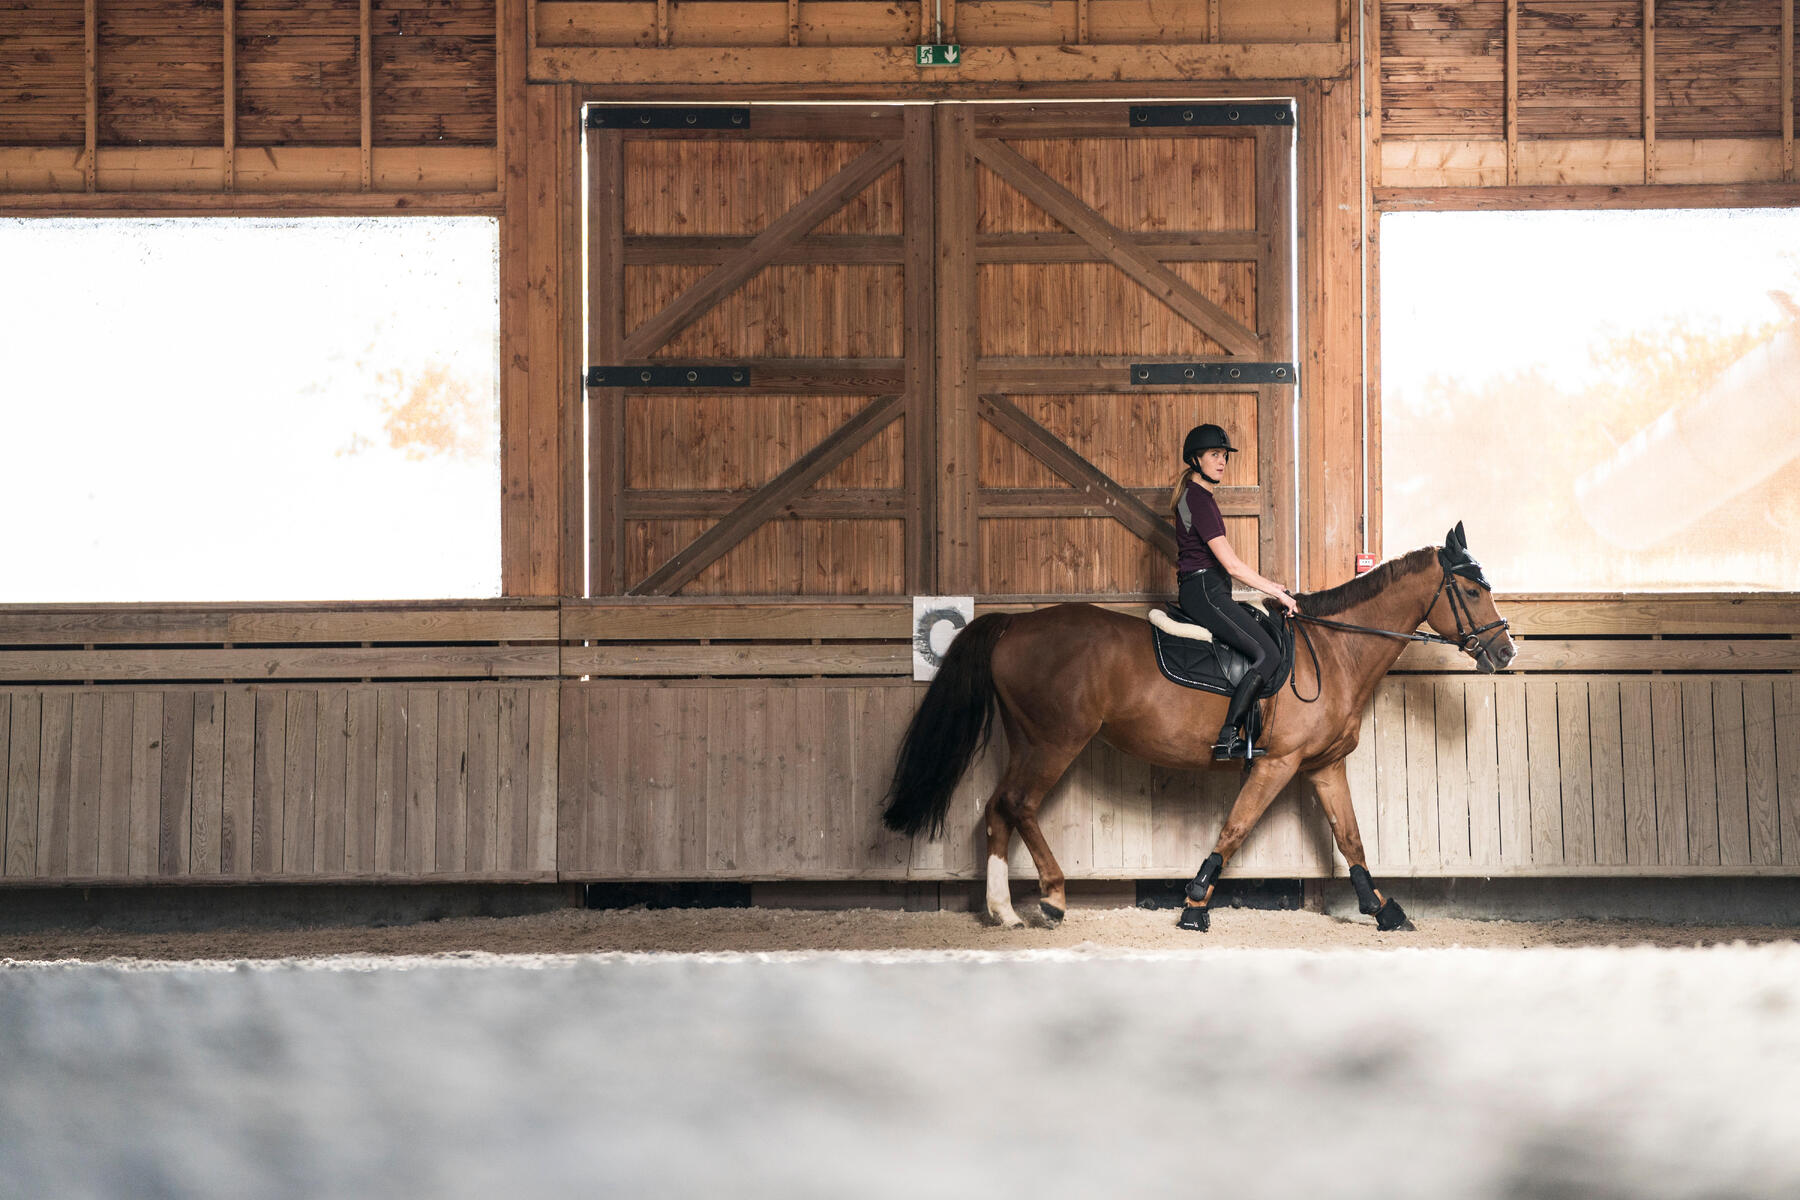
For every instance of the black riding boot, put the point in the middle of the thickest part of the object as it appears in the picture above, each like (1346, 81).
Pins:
(1232, 743)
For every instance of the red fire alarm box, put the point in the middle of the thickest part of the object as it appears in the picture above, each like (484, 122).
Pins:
(1365, 562)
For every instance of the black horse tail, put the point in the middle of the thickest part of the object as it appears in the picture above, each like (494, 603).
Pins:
(950, 728)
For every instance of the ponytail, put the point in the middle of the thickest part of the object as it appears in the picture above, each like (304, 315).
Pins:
(1181, 482)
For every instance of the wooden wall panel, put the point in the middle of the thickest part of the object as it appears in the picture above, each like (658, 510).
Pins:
(1581, 69)
(1442, 68)
(435, 72)
(162, 73)
(43, 90)
(774, 780)
(1718, 67)
(241, 783)
(1593, 100)
(186, 102)
(298, 74)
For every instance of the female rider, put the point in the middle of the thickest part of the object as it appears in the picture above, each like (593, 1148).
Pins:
(1204, 567)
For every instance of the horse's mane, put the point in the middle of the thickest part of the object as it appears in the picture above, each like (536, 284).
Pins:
(1346, 595)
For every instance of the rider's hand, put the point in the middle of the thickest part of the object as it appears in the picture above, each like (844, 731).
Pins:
(1287, 601)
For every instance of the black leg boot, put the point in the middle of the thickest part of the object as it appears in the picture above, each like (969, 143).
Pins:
(1232, 743)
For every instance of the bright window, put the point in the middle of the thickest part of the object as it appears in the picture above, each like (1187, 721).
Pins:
(1610, 400)
(249, 409)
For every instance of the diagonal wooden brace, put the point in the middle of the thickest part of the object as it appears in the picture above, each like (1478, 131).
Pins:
(1118, 247)
(762, 250)
(1044, 446)
(770, 498)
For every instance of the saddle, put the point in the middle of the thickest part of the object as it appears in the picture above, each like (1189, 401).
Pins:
(1188, 655)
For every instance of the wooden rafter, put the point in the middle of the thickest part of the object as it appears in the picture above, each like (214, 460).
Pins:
(1118, 247)
(763, 249)
(1047, 448)
(769, 499)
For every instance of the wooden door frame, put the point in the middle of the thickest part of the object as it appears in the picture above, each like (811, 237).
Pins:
(941, 554)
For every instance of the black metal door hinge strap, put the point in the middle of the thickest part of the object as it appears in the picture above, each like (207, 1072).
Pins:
(670, 117)
(639, 378)
(1151, 115)
(1178, 374)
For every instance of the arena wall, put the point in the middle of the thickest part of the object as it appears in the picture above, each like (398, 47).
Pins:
(629, 714)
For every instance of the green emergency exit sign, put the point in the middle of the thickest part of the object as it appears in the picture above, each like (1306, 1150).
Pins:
(939, 56)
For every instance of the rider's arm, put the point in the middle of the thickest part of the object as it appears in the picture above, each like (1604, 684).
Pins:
(1240, 570)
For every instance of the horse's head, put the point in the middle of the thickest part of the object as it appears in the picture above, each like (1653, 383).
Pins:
(1463, 609)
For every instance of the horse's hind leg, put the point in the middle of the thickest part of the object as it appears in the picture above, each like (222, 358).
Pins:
(1030, 774)
(1333, 786)
(999, 885)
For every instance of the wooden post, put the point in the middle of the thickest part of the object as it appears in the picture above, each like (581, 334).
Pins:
(573, 580)
(91, 65)
(1512, 91)
(366, 67)
(230, 95)
(920, 432)
(1649, 91)
(958, 423)
(606, 338)
(1371, 29)
(1787, 90)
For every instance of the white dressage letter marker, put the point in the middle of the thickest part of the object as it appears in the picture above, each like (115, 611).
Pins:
(936, 622)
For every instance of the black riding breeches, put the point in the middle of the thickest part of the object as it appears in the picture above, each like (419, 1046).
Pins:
(1206, 597)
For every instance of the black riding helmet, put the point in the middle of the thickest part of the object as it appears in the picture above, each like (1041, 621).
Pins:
(1202, 438)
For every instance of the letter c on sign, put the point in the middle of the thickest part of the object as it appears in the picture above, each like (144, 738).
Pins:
(927, 624)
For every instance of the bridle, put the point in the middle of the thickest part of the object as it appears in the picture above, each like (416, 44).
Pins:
(1468, 637)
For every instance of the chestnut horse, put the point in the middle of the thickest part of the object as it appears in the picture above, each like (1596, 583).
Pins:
(1062, 675)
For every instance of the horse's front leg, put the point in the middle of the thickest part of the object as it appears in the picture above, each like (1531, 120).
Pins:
(1333, 786)
(1267, 777)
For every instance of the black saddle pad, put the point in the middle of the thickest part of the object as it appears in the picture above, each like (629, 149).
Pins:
(1214, 666)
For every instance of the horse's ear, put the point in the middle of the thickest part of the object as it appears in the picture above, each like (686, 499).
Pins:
(1457, 538)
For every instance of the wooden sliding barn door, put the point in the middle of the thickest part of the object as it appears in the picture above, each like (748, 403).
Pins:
(759, 399)
(1110, 275)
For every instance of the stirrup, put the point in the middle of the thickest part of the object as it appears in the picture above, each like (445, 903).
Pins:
(1238, 747)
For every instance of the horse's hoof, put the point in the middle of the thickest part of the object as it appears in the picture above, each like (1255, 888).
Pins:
(1196, 918)
(1052, 914)
(1391, 917)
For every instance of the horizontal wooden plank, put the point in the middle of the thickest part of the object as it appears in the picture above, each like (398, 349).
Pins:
(1068, 502)
(283, 203)
(624, 621)
(838, 658)
(1652, 614)
(641, 504)
(498, 875)
(1589, 196)
(1624, 654)
(896, 65)
(259, 169)
(247, 666)
(129, 624)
